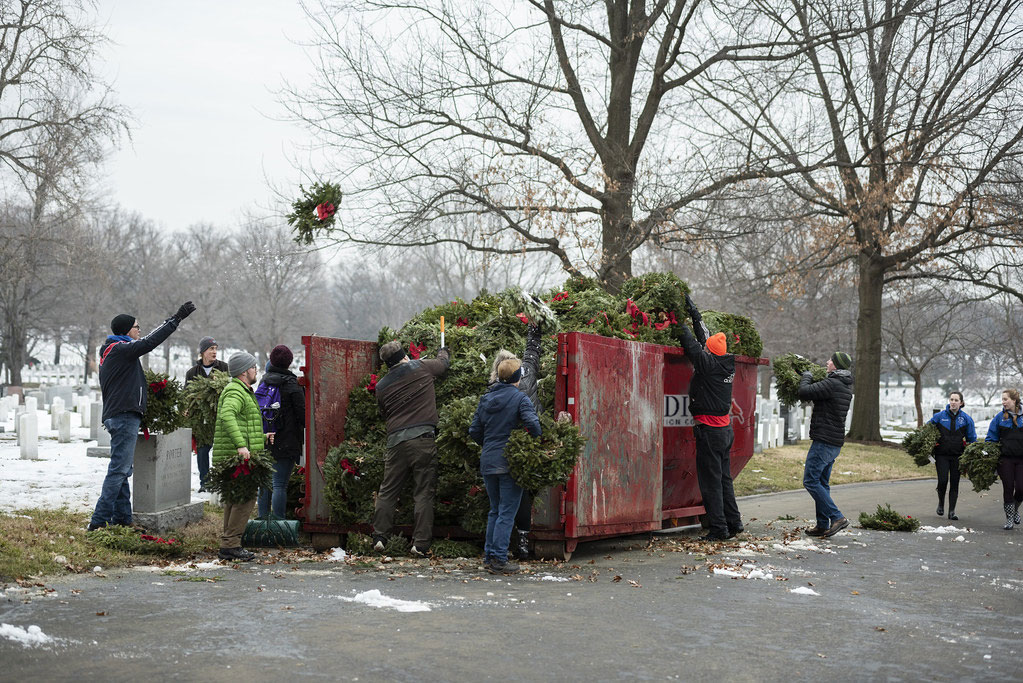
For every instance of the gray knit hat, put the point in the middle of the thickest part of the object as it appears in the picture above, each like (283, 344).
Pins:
(240, 362)
(205, 343)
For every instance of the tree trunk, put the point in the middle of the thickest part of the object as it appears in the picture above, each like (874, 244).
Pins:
(918, 391)
(616, 231)
(866, 408)
(16, 346)
(56, 350)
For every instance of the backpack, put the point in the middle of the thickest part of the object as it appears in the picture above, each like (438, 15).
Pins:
(268, 396)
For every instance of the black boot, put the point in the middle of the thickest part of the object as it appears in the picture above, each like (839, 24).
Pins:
(1010, 514)
(522, 545)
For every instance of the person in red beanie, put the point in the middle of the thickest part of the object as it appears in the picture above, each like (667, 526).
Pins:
(286, 430)
(710, 402)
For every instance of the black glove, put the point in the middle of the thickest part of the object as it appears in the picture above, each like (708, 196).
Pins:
(444, 349)
(533, 333)
(694, 312)
(185, 310)
(807, 374)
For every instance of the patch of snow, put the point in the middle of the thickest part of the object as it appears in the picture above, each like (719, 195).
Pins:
(943, 530)
(337, 555)
(801, 544)
(803, 590)
(374, 598)
(33, 636)
(720, 571)
(959, 539)
(189, 567)
(550, 577)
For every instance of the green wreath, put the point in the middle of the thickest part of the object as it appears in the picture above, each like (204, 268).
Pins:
(314, 211)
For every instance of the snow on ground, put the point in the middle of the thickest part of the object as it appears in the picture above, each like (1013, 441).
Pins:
(803, 590)
(374, 598)
(33, 636)
(943, 530)
(63, 476)
(795, 545)
(337, 555)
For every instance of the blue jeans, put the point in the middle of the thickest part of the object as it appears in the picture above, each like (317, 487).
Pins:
(278, 502)
(202, 456)
(816, 480)
(114, 504)
(505, 496)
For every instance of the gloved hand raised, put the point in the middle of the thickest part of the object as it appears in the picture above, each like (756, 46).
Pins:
(693, 311)
(185, 310)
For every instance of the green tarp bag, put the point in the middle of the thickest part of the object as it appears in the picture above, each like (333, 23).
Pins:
(274, 531)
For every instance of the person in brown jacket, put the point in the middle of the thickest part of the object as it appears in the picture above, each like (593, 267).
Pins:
(408, 404)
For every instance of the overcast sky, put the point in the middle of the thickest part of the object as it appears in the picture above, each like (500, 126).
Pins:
(199, 77)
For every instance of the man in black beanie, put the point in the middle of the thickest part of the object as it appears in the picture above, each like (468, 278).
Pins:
(831, 398)
(123, 384)
(408, 403)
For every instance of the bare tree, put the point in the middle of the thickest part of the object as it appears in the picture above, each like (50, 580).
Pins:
(47, 85)
(920, 110)
(566, 126)
(924, 325)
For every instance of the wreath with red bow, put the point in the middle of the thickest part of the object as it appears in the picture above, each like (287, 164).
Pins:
(162, 415)
(315, 211)
(238, 480)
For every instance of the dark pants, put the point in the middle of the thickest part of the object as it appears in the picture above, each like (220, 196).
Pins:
(948, 475)
(714, 474)
(417, 457)
(202, 457)
(1010, 471)
(524, 517)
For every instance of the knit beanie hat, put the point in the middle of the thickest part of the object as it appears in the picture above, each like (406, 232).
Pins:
(281, 357)
(205, 343)
(717, 344)
(841, 360)
(122, 324)
(240, 362)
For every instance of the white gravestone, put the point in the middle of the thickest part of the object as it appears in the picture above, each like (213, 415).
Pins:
(28, 436)
(31, 404)
(56, 408)
(64, 427)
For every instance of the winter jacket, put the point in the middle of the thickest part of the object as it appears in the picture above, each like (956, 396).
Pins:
(502, 409)
(405, 395)
(831, 398)
(1007, 430)
(710, 391)
(121, 378)
(289, 426)
(955, 432)
(197, 371)
(239, 423)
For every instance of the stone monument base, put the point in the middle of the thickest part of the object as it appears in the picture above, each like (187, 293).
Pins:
(167, 520)
(98, 451)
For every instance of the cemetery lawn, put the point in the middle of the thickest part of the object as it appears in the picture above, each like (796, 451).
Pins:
(781, 469)
(31, 539)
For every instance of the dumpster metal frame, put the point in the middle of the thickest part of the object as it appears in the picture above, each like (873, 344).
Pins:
(635, 474)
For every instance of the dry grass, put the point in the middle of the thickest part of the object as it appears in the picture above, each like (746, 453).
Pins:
(781, 469)
(30, 540)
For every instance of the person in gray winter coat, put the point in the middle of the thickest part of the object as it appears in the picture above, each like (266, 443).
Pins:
(831, 398)
(502, 409)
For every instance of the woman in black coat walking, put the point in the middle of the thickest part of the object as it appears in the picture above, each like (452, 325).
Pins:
(287, 430)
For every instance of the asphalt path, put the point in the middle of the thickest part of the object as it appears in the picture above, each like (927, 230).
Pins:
(863, 605)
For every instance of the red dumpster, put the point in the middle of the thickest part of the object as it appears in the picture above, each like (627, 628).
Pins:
(638, 470)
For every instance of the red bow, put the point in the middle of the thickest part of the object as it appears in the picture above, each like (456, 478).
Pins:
(462, 322)
(157, 387)
(414, 350)
(473, 490)
(157, 539)
(324, 211)
(559, 297)
(241, 469)
(349, 467)
(523, 318)
(145, 433)
(372, 386)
